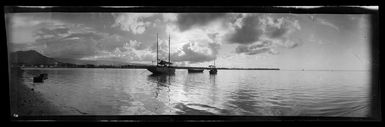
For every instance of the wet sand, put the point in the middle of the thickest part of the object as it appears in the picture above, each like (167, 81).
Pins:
(26, 101)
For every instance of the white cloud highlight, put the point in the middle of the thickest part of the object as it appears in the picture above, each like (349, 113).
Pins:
(133, 22)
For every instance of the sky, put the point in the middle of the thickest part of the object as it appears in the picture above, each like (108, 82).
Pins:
(282, 40)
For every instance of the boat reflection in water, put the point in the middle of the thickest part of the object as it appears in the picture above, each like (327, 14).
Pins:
(161, 81)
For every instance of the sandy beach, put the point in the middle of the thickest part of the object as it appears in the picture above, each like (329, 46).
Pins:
(26, 101)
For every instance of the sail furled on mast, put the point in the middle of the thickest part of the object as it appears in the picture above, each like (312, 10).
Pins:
(169, 48)
(157, 48)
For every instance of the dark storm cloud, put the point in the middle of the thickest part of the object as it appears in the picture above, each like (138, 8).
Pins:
(253, 27)
(188, 20)
(248, 33)
(273, 30)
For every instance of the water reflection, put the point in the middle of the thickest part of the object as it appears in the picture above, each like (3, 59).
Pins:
(161, 81)
(200, 95)
(162, 91)
(213, 89)
(243, 101)
(136, 92)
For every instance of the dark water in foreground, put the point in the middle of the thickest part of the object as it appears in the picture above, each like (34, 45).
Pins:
(230, 92)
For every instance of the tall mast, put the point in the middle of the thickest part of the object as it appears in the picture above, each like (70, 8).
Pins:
(157, 49)
(169, 49)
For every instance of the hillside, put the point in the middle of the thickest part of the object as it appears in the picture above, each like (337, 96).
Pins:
(31, 57)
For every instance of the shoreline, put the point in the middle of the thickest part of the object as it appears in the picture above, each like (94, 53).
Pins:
(176, 67)
(25, 101)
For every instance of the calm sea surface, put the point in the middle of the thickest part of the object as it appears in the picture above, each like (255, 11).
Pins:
(230, 92)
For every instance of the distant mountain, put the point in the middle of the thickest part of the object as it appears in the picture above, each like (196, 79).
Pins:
(30, 57)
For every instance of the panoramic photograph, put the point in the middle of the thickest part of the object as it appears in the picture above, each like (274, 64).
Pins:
(222, 64)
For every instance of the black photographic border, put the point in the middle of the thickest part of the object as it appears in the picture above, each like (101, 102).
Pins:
(376, 112)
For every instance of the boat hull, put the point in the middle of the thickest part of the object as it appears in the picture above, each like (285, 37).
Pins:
(213, 71)
(161, 70)
(195, 70)
(38, 79)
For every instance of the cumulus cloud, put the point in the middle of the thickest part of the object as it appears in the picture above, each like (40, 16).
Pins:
(198, 42)
(133, 22)
(186, 21)
(256, 48)
(195, 37)
(252, 51)
(84, 43)
(195, 52)
(136, 44)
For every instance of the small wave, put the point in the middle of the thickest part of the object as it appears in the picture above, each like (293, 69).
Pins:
(77, 110)
(186, 110)
(205, 106)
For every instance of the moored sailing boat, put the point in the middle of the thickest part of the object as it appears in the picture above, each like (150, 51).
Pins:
(213, 69)
(162, 67)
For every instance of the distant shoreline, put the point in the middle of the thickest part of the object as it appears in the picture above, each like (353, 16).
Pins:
(206, 68)
(189, 68)
(266, 69)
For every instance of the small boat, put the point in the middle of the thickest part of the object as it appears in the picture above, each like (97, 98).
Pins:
(44, 75)
(213, 69)
(38, 79)
(195, 70)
